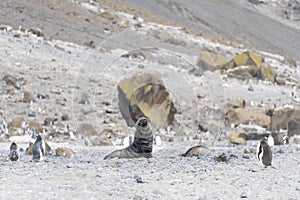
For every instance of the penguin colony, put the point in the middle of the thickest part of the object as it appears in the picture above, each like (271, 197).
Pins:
(142, 145)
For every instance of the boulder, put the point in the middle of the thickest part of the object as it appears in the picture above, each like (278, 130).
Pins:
(16, 123)
(28, 97)
(64, 152)
(49, 121)
(238, 138)
(244, 72)
(208, 61)
(245, 58)
(12, 80)
(87, 129)
(267, 73)
(247, 65)
(294, 126)
(246, 116)
(250, 150)
(236, 103)
(145, 96)
(279, 138)
(297, 139)
(281, 118)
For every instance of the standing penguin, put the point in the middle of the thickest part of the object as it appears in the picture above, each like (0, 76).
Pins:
(14, 153)
(38, 149)
(264, 152)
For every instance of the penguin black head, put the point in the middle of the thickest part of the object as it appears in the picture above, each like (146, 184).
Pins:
(39, 138)
(13, 146)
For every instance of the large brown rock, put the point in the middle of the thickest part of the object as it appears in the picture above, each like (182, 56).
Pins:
(236, 103)
(87, 129)
(247, 65)
(28, 97)
(245, 58)
(281, 118)
(246, 116)
(64, 152)
(145, 96)
(210, 61)
(294, 126)
(238, 138)
(16, 122)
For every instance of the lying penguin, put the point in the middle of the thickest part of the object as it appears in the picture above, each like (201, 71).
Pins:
(141, 145)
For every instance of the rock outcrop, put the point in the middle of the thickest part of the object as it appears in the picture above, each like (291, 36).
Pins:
(246, 116)
(145, 96)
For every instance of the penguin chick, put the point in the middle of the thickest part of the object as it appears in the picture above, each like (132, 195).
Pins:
(38, 150)
(264, 152)
(14, 154)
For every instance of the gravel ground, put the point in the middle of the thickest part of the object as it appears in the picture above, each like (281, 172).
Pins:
(165, 176)
(62, 66)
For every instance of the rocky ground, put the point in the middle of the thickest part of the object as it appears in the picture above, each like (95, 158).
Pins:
(60, 66)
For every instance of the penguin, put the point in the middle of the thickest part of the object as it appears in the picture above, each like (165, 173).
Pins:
(264, 152)
(285, 140)
(14, 153)
(270, 140)
(39, 149)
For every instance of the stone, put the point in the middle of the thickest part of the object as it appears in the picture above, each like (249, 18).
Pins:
(145, 96)
(209, 61)
(267, 73)
(84, 99)
(294, 126)
(108, 16)
(238, 138)
(28, 97)
(279, 138)
(247, 116)
(248, 65)
(203, 126)
(49, 121)
(223, 157)
(16, 123)
(197, 151)
(297, 139)
(64, 152)
(236, 103)
(244, 59)
(36, 126)
(100, 141)
(123, 24)
(65, 117)
(87, 129)
(36, 31)
(243, 72)
(11, 80)
(281, 118)
(250, 150)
